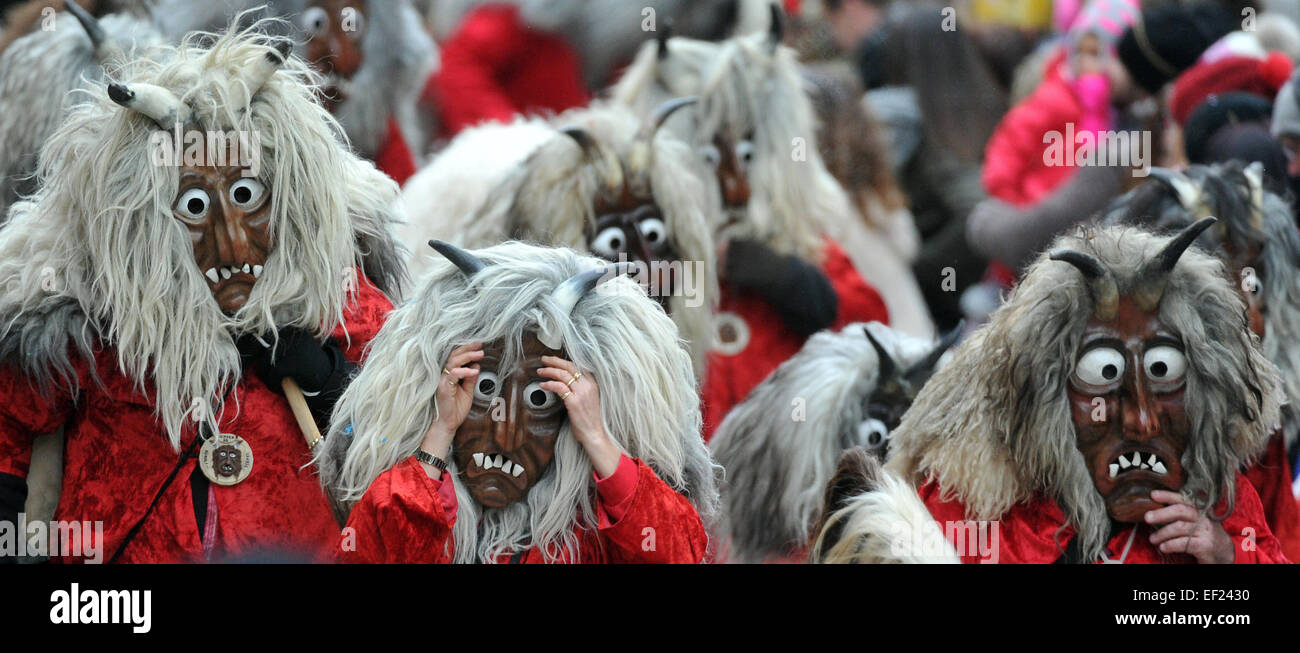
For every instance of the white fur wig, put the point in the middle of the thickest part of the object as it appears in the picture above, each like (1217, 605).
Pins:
(96, 257)
(529, 181)
(1249, 217)
(747, 86)
(398, 55)
(1010, 437)
(647, 393)
(779, 446)
(39, 76)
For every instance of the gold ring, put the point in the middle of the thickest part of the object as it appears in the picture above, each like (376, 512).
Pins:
(577, 376)
(566, 395)
(444, 371)
(570, 383)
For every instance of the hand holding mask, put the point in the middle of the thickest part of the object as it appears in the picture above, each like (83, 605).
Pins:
(1188, 530)
(581, 397)
(453, 398)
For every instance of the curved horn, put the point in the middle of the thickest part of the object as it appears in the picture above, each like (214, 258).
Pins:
(887, 365)
(641, 155)
(1189, 194)
(776, 31)
(597, 155)
(1155, 273)
(661, 37)
(663, 112)
(468, 263)
(265, 66)
(88, 23)
(155, 102)
(568, 294)
(1105, 293)
(921, 370)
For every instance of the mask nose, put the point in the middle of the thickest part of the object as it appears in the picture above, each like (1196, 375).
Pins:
(735, 189)
(1141, 421)
(232, 239)
(508, 433)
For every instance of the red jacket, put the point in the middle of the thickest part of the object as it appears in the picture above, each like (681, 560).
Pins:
(117, 457)
(1034, 532)
(767, 342)
(1015, 169)
(494, 66)
(394, 157)
(1271, 477)
(407, 517)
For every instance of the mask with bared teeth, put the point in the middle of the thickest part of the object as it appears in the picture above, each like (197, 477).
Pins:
(1127, 390)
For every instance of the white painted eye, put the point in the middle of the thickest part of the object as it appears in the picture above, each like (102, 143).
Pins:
(654, 230)
(745, 153)
(609, 243)
(711, 155)
(194, 203)
(1164, 363)
(314, 21)
(873, 434)
(538, 398)
(486, 385)
(1101, 367)
(246, 192)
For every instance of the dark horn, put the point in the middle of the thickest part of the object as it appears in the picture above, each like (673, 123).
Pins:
(466, 262)
(1154, 275)
(88, 22)
(887, 365)
(1105, 293)
(662, 36)
(776, 33)
(922, 369)
(665, 111)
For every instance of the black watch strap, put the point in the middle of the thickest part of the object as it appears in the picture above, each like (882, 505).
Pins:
(430, 459)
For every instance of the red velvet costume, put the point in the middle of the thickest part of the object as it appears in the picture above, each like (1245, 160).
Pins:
(731, 377)
(117, 457)
(495, 67)
(394, 157)
(407, 517)
(1032, 533)
(1271, 477)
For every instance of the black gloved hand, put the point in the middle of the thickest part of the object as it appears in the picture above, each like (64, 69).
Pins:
(320, 370)
(795, 288)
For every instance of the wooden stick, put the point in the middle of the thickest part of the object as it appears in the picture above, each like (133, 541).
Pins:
(301, 412)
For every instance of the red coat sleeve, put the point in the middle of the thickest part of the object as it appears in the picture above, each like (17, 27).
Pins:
(1271, 478)
(858, 301)
(1016, 149)
(25, 414)
(467, 85)
(658, 525)
(402, 518)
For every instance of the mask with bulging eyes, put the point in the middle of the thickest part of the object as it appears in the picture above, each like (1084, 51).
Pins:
(730, 160)
(334, 31)
(634, 230)
(228, 219)
(1127, 402)
(507, 440)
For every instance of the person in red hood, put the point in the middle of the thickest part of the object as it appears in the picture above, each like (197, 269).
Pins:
(1118, 395)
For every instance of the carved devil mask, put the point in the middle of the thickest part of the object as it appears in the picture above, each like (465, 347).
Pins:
(228, 218)
(334, 30)
(507, 440)
(1126, 391)
(896, 388)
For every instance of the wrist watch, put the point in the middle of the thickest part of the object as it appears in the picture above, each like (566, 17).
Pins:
(430, 459)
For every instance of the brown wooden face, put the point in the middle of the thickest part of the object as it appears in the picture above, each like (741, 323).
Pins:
(228, 218)
(634, 229)
(1135, 366)
(508, 439)
(731, 161)
(334, 30)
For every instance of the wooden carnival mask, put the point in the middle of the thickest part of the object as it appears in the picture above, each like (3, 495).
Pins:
(1127, 389)
(334, 31)
(228, 218)
(896, 389)
(225, 212)
(629, 225)
(507, 440)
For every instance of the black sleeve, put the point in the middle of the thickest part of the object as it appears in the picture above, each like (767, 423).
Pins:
(341, 373)
(13, 500)
(795, 288)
